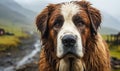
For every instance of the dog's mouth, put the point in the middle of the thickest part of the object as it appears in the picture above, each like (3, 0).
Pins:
(70, 56)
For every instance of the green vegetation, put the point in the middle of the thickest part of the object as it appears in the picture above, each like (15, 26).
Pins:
(7, 42)
(116, 70)
(115, 51)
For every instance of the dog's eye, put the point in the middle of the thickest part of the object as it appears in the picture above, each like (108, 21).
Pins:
(78, 21)
(58, 23)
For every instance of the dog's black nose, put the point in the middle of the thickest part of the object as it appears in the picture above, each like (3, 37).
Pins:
(69, 40)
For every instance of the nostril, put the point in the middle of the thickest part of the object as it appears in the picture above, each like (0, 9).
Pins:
(69, 40)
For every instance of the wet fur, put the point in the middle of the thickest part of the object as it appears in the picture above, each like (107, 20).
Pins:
(96, 54)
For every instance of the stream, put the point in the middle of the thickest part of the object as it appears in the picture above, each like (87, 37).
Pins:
(27, 55)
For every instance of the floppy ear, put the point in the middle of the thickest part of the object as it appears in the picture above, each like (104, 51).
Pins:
(42, 20)
(94, 16)
(95, 19)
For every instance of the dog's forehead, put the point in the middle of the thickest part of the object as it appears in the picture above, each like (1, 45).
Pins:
(69, 9)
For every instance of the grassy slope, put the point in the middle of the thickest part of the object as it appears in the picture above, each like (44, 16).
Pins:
(11, 41)
(114, 50)
(116, 70)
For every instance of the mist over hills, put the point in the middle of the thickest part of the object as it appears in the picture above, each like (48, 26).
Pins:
(10, 15)
(108, 31)
(16, 7)
(109, 25)
(110, 21)
(12, 12)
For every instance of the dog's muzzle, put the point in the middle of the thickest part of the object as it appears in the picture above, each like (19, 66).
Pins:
(69, 41)
(69, 45)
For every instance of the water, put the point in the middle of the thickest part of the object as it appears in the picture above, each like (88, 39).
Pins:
(26, 59)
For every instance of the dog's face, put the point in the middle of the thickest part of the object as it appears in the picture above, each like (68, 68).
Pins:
(68, 26)
(69, 38)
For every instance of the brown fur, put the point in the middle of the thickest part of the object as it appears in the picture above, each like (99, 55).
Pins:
(96, 54)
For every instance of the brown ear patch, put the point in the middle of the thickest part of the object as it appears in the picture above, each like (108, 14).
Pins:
(42, 20)
(93, 14)
(95, 19)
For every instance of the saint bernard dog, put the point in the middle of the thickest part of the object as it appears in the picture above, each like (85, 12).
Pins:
(70, 38)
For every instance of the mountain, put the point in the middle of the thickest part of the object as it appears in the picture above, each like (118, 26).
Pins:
(106, 30)
(34, 5)
(18, 8)
(10, 15)
(110, 21)
(12, 12)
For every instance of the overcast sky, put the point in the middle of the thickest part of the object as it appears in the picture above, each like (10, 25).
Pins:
(109, 6)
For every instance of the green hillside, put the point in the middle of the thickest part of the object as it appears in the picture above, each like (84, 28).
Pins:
(108, 31)
(7, 41)
(16, 20)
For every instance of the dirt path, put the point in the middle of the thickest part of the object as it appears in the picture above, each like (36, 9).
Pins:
(25, 56)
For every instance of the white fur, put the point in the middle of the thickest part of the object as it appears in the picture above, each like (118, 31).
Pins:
(68, 10)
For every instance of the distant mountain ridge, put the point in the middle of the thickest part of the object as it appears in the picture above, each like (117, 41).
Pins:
(14, 13)
(16, 7)
(108, 31)
(10, 15)
(109, 21)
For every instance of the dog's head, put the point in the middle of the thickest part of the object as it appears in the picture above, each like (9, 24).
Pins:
(68, 26)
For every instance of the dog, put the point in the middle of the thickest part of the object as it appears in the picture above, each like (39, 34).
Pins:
(70, 38)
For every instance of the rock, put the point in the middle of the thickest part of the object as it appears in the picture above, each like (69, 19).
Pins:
(115, 63)
(1, 68)
(29, 67)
